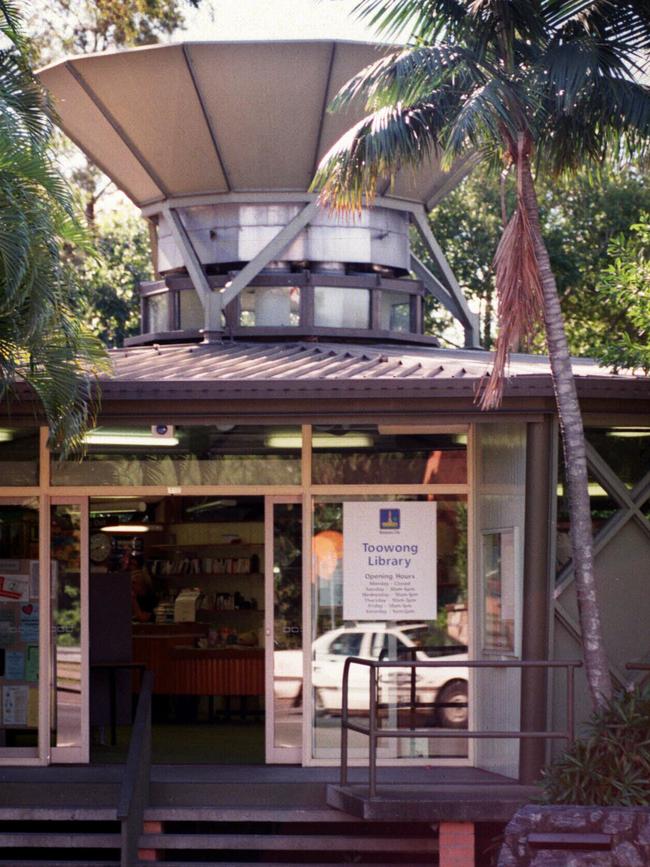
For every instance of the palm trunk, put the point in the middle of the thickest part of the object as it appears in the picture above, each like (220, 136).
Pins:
(575, 459)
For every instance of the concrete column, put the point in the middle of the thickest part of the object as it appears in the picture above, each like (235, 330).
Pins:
(456, 841)
(536, 594)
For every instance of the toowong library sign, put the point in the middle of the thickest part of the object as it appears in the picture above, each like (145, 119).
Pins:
(389, 561)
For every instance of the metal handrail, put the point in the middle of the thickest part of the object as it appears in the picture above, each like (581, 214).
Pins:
(374, 732)
(134, 793)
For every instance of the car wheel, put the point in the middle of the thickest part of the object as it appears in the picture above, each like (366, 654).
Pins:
(454, 712)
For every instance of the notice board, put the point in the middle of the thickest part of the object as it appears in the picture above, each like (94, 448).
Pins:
(389, 561)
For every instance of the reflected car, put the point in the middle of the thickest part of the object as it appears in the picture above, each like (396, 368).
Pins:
(445, 687)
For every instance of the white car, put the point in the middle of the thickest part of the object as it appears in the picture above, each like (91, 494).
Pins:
(446, 686)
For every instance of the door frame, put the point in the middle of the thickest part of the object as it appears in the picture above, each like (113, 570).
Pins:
(77, 754)
(275, 755)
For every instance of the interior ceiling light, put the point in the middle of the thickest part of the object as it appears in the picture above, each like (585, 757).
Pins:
(115, 506)
(631, 433)
(212, 504)
(132, 529)
(350, 440)
(433, 430)
(6, 435)
(126, 438)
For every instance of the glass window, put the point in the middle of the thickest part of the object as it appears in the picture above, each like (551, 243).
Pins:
(19, 452)
(19, 627)
(191, 310)
(386, 454)
(186, 455)
(341, 307)
(347, 644)
(156, 312)
(441, 694)
(270, 306)
(395, 311)
(625, 449)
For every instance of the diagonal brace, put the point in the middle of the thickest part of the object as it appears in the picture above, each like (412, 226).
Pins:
(467, 319)
(209, 299)
(435, 287)
(272, 250)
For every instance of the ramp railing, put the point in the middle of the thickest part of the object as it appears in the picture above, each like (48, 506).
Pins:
(134, 793)
(375, 732)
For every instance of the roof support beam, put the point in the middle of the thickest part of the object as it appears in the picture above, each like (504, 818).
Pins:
(272, 250)
(210, 300)
(468, 320)
(435, 287)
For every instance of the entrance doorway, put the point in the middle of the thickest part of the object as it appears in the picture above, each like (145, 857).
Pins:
(199, 590)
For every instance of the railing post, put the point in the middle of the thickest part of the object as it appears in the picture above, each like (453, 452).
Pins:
(372, 746)
(344, 724)
(413, 694)
(570, 699)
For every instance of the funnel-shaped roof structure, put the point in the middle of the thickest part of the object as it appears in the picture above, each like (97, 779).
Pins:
(170, 121)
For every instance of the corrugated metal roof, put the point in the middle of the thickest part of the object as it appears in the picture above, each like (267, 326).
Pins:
(321, 369)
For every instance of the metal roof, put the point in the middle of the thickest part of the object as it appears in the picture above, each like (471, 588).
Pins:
(203, 118)
(304, 369)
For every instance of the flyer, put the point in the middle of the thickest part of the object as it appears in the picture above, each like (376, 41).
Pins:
(14, 665)
(31, 663)
(29, 622)
(14, 705)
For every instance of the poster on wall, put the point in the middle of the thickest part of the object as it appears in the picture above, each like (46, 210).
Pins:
(389, 561)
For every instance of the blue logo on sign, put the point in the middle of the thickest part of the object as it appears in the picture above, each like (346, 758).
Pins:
(389, 519)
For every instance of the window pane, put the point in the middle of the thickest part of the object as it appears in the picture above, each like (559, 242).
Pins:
(19, 451)
(157, 312)
(194, 455)
(19, 627)
(625, 450)
(192, 316)
(441, 693)
(270, 305)
(377, 455)
(395, 311)
(340, 307)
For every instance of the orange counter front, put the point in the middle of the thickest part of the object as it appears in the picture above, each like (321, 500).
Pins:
(181, 668)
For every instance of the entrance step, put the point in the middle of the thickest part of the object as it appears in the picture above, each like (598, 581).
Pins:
(307, 840)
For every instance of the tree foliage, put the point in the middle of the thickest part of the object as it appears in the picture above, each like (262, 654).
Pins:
(622, 337)
(42, 340)
(580, 217)
(109, 282)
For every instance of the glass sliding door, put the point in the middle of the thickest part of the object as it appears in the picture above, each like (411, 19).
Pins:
(283, 627)
(21, 652)
(404, 597)
(69, 594)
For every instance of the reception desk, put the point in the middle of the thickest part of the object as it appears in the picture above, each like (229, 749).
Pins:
(182, 668)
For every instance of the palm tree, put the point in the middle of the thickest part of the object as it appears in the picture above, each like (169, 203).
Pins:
(530, 85)
(42, 343)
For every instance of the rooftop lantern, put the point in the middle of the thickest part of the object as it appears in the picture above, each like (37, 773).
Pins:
(218, 143)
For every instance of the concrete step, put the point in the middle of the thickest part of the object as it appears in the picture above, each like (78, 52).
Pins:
(211, 794)
(57, 814)
(58, 840)
(18, 862)
(180, 813)
(288, 843)
(168, 863)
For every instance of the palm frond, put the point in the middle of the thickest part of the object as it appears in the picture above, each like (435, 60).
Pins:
(423, 20)
(376, 148)
(518, 284)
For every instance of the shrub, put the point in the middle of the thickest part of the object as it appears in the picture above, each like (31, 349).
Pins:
(609, 765)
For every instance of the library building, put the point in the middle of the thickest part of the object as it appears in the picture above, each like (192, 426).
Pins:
(290, 472)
